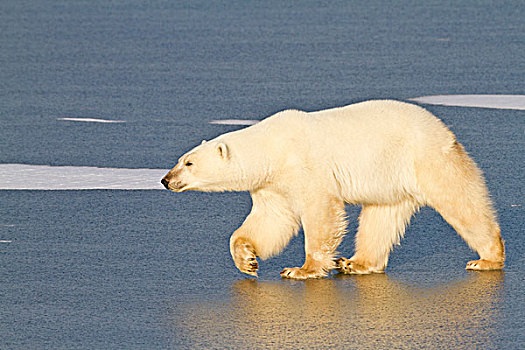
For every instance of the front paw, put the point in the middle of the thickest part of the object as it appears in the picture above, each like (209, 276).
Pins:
(300, 273)
(244, 257)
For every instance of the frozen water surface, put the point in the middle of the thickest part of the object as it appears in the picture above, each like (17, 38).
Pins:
(484, 101)
(91, 120)
(234, 122)
(104, 96)
(42, 177)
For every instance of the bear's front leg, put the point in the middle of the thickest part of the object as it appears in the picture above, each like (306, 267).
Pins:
(324, 227)
(244, 255)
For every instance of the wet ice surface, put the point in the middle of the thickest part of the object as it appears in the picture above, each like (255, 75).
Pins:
(121, 269)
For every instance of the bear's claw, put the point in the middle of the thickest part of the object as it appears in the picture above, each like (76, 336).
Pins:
(254, 265)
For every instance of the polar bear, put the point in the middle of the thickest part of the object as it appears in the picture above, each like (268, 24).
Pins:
(301, 168)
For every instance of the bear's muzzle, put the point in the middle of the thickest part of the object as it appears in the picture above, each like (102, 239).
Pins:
(172, 183)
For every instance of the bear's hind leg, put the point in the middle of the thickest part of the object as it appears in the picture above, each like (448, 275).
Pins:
(324, 227)
(479, 229)
(456, 189)
(380, 227)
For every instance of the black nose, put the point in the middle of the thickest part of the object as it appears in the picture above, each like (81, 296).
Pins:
(165, 183)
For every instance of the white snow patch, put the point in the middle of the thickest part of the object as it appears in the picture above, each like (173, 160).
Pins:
(91, 120)
(482, 101)
(234, 122)
(43, 177)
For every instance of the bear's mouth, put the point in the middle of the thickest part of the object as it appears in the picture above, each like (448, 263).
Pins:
(174, 186)
(178, 187)
(181, 189)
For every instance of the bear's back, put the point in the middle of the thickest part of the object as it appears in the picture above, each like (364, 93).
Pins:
(378, 122)
(378, 114)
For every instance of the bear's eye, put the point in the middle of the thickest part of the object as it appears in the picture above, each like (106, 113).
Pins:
(188, 164)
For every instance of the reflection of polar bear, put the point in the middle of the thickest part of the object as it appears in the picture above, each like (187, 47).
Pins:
(381, 312)
(301, 168)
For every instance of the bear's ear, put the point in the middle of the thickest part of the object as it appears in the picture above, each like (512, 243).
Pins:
(203, 142)
(223, 150)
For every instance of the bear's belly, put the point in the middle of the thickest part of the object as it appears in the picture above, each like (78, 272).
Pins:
(369, 195)
(374, 186)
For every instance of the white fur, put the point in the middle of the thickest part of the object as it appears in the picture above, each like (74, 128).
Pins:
(300, 168)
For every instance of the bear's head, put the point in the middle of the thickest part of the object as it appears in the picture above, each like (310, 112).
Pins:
(209, 167)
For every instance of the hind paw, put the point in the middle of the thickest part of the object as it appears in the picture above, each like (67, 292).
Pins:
(484, 265)
(350, 267)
